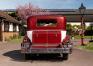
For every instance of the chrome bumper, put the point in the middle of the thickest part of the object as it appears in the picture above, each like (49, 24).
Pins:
(47, 50)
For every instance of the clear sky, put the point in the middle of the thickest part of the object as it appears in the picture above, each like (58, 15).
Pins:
(47, 4)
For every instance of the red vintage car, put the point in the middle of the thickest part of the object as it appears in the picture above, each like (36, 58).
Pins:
(46, 34)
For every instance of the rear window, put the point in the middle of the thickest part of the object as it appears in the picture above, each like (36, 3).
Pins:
(47, 22)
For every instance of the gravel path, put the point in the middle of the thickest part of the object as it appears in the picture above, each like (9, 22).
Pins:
(10, 56)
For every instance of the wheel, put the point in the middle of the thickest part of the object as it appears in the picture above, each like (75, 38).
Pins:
(71, 51)
(65, 56)
(27, 56)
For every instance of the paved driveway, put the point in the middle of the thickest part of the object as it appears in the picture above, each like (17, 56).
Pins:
(10, 56)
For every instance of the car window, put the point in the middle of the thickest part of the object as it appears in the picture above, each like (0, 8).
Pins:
(46, 22)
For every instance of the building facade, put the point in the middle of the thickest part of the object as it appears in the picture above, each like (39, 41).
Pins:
(9, 27)
(73, 16)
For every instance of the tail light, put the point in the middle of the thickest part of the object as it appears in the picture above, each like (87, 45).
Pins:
(26, 42)
(66, 42)
(26, 39)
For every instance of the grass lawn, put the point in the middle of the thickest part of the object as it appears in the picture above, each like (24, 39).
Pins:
(78, 37)
(16, 40)
(88, 47)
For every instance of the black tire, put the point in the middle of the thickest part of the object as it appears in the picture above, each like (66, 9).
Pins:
(65, 56)
(71, 51)
(27, 56)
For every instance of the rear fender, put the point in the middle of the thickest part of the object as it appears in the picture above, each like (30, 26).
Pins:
(67, 42)
(26, 43)
(67, 39)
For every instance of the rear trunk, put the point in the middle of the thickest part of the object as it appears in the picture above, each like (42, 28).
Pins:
(46, 39)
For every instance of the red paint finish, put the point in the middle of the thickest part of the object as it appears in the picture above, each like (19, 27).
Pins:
(39, 46)
(39, 37)
(46, 37)
(32, 23)
(54, 37)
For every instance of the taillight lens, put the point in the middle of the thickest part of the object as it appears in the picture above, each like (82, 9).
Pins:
(26, 39)
(26, 42)
(66, 40)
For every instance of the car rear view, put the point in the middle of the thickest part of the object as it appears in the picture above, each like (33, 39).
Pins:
(46, 34)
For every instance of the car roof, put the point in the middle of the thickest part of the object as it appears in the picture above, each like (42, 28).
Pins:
(46, 16)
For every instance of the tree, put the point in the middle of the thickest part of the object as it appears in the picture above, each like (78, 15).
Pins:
(24, 11)
(68, 26)
(13, 14)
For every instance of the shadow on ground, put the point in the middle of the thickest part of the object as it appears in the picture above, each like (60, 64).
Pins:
(15, 55)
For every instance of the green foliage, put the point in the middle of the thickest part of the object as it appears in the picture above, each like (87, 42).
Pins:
(89, 31)
(72, 30)
(89, 28)
(76, 26)
(79, 37)
(68, 26)
(13, 14)
(88, 47)
(15, 37)
(16, 40)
